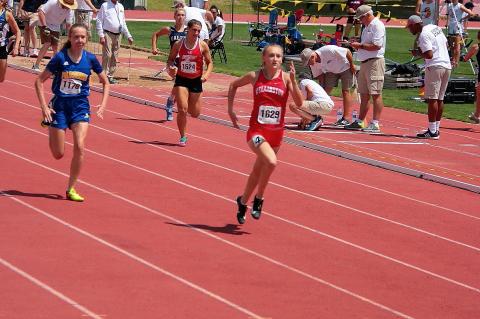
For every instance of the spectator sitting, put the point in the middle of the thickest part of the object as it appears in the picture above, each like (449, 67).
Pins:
(316, 103)
(218, 26)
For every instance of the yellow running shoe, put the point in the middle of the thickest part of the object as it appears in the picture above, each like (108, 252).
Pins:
(73, 195)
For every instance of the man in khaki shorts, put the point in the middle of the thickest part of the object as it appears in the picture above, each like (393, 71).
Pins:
(316, 103)
(329, 64)
(432, 46)
(370, 52)
(28, 14)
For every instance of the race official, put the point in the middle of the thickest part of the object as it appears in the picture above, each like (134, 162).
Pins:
(110, 25)
(370, 52)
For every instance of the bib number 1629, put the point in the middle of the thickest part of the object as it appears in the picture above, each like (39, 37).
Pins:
(269, 114)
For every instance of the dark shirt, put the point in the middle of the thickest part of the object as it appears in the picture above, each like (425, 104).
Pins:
(32, 5)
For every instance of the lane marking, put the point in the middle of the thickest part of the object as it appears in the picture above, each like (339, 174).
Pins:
(46, 287)
(227, 199)
(383, 142)
(178, 278)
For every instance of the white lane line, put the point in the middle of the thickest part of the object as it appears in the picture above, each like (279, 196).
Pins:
(328, 139)
(177, 221)
(290, 164)
(384, 142)
(46, 287)
(125, 252)
(367, 250)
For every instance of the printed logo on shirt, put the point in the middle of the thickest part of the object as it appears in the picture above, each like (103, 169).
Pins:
(65, 63)
(86, 116)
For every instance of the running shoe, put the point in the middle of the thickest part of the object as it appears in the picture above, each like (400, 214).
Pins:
(428, 134)
(372, 128)
(257, 207)
(35, 67)
(169, 109)
(72, 195)
(355, 126)
(242, 209)
(111, 80)
(473, 118)
(315, 124)
(34, 53)
(183, 141)
(341, 122)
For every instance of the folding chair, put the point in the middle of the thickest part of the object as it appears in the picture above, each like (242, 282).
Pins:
(217, 48)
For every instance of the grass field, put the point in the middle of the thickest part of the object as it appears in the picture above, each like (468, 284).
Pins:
(243, 58)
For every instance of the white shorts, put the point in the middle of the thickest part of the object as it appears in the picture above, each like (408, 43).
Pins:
(317, 107)
(436, 81)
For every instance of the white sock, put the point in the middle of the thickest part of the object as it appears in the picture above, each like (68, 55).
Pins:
(437, 124)
(432, 127)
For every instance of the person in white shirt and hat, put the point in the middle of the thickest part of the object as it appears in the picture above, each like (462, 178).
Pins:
(51, 16)
(330, 64)
(370, 78)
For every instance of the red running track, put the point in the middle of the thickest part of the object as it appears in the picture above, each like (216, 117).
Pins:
(157, 235)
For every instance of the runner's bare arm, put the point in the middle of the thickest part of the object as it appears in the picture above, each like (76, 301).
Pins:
(106, 90)
(248, 78)
(46, 111)
(208, 60)
(16, 30)
(171, 69)
(155, 35)
(293, 86)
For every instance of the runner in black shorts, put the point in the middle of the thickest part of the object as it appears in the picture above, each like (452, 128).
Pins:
(192, 55)
(7, 22)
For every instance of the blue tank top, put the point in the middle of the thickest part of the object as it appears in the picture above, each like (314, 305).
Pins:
(4, 28)
(72, 79)
(175, 35)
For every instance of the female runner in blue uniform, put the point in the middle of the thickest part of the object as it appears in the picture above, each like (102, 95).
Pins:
(69, 107)
(175, 33)
(7, 23)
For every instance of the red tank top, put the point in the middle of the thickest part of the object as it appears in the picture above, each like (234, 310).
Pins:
(190, 61)
(269, 102)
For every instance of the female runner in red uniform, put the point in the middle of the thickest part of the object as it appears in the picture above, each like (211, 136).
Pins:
(271, 87)
(189, 74)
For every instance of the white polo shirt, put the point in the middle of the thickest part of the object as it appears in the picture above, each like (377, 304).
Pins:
(333, 59)
(374, 33)
(54, 14)
(197, 14)
(198, 3)
(432, 39)
(216, 34)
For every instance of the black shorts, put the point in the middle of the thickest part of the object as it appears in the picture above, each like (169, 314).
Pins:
(193, 85)
(3, 53)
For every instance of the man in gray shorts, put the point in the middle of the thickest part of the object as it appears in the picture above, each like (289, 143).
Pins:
(329, 64)
(432, 46)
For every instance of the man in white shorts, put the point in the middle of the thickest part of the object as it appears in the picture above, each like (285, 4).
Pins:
(432, 46)
(197, 14)
(329, 64)
(316, 103)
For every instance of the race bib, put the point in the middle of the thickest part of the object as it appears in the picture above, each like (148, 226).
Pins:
(269, 114)
(70, 86)
(188, 67)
